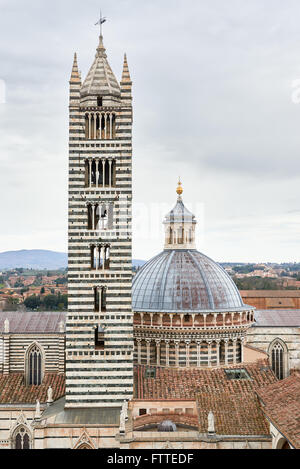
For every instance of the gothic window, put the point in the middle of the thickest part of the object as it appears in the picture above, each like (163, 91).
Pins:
(21, 438)
(277, 359)
(34, 375)
(99, 101)
(100, 257)
(104, 217)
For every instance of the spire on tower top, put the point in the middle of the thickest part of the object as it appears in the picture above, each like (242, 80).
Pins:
(101, 49)
(125, 75)
(75, 77)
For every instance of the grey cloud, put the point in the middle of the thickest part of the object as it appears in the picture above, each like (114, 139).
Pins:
(212, 102)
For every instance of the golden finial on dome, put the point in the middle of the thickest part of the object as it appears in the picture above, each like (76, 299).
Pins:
(179, 188)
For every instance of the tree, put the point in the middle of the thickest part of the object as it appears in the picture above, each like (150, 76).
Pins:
(50, 301)
(32, 302)
(42, 290)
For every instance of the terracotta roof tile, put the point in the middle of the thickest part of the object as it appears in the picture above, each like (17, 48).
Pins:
(270, 293)
(14, 391)
(171, 383)
(235, 414)
(281, 403)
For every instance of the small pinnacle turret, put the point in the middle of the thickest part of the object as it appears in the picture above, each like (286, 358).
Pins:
(125, 75)
(75, 76)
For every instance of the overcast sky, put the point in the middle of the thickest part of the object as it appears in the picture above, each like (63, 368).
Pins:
(216, 101)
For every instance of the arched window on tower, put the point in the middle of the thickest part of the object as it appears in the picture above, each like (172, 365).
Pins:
(34, 366)
(99, 299)
(21, 438)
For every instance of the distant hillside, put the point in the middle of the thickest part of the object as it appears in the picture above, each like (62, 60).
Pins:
(33, 259)
(40, 259)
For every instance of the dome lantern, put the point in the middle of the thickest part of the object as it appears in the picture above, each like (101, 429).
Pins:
(180, 225)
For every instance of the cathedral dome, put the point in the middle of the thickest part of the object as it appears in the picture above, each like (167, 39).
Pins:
(181, 279)
(184, 281)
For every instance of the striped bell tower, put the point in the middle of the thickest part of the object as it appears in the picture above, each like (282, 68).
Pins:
(99, 329)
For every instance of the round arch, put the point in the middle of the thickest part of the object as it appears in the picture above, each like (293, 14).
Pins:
(282, 443)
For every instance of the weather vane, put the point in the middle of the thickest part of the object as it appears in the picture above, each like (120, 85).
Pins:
(100, 22)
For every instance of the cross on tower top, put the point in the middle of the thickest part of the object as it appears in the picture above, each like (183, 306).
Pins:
(100, 22)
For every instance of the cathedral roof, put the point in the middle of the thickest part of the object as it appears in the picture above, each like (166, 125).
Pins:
(29, 322)
(184, 281)
(277, 318)
(100, 80)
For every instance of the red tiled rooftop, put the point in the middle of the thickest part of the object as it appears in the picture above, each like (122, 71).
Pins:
(281, 404)
(235, 414)
(14, 391)
(186, 383)
(270, 293)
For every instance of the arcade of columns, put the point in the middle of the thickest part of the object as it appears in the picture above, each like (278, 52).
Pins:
(193, 340)
(100, 172)
(100, 125)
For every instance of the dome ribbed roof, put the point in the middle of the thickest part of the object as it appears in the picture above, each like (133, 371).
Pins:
(184, 281)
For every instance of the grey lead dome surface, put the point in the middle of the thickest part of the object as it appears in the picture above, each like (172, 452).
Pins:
(184, 281)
